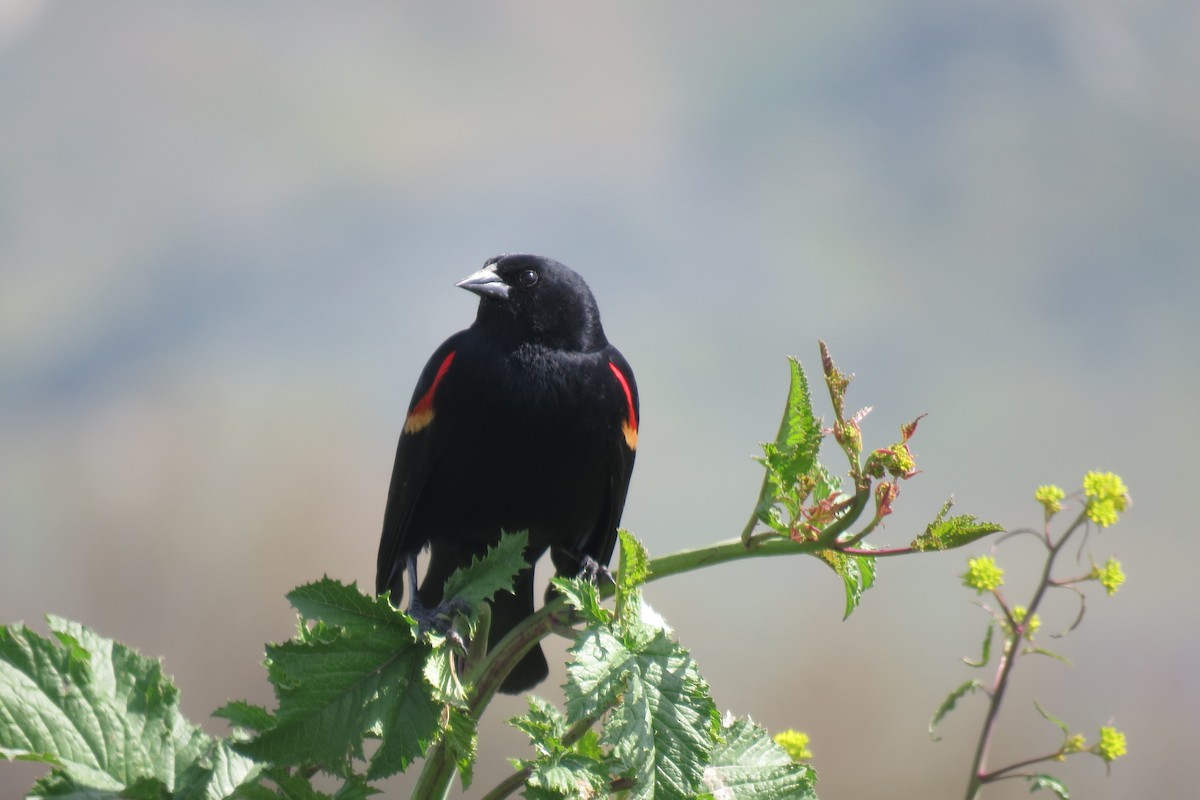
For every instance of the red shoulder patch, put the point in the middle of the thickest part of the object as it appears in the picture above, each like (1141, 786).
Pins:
(630, 426)
(422, 413)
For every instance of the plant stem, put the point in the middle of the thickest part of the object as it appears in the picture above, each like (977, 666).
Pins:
(1005, 772)
(719, 553)
(1007, 661)
(436, 775)
(438, 771)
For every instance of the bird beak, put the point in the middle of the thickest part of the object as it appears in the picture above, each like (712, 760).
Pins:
(485, 283)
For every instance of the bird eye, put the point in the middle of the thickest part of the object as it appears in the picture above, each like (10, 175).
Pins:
(528, 279)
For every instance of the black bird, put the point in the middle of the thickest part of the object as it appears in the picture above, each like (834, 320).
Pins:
(527, 420)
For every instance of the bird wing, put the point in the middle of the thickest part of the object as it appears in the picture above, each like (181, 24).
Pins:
(415, 454)
(621, 454)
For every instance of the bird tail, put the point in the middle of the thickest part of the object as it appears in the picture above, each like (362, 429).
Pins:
(508, 610)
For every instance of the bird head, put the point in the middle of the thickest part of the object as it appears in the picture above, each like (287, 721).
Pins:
(532, 299)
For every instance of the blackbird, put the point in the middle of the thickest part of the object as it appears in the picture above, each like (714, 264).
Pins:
(527, 420)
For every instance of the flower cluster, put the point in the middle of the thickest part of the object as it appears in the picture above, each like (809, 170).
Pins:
(1110, 576)
(983, 574)
(1111, 745)
(1106, 497)
(795, 743)
(1075, 744)
(1051, 497)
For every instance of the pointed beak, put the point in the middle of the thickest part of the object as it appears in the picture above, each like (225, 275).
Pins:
(485, 283)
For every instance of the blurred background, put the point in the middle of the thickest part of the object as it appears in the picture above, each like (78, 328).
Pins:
(229, 235)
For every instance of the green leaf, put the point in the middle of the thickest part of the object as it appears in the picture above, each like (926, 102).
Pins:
(825, 483)
(857, 573)
(663, 723)
(1046, 715)
(949, 703)
(794, 451)
(567, 775)
(1041, 651)
(1049, 782)
(749, 765)
(106, 719)
(944, 534)
(245, 715)
(544, 725)
(293, 786)
(986, 655)
(355, 788)
(441, 672)
(635, 563)
(57, 786)
(493, 573)
(462, 741)
(560, 771)
(215, 775)
(340, 605)
(337, 683)
(584, 597)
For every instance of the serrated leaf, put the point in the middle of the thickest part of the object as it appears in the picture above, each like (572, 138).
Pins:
(663, 722)
(794, 451)
(356, 788)
(544, 724)
(338, 682)
(492, 573)
(106, 718)
(245, 715)
(635, 563)
(57, 786)
(584, 597)
(857, 573)
(949, 703)
(986, 655)
(410, 720)
(441, 673)
(288, 786)
(216, 775)
(944, 534)
(567, 775)
(1050, 783)
(825, 483)
(462, 741)
(559, 771)
(749, 765)
(340, 605)
(634, 569)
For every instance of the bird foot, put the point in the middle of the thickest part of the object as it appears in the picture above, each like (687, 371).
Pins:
(439, 619)
(594, 571)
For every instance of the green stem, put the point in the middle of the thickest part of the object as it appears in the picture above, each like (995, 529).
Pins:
(719, 553)
(437, 774)
(829, 536)
(881, 553)
(488, 673)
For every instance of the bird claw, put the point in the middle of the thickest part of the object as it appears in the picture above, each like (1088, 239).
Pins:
(594, 571)
(440, 619)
